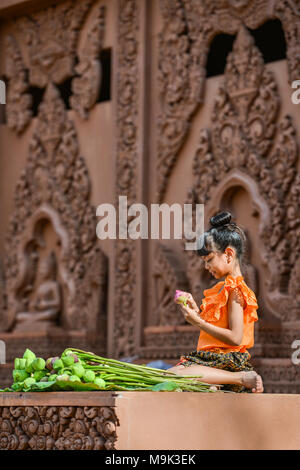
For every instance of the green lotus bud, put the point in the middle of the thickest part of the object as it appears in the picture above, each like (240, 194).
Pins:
(76, 358)
(18, 386)
(22, 363)
(68, 353)
(74, 378)
(29, 355)
(38, 375)
(50, 362)
(28, 382)
(78, 370)
(63, 377)
(38, 364)
(68, 360)
(89, 376)
(17, 363)
(100, 382)
(58, 364)
(28, 366)
(19, 375)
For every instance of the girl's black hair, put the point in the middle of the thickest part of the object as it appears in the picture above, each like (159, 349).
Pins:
(220, 235)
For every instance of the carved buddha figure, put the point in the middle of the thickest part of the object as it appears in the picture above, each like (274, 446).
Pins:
(46, 302)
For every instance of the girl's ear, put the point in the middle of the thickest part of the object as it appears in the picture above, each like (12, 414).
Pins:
(229, 254)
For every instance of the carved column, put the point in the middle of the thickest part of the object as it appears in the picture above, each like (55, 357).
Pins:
(128, 291)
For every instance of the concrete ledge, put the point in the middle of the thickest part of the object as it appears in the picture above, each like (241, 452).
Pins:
(206, 421)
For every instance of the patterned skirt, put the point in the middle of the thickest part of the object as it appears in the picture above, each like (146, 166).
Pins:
(231, 361)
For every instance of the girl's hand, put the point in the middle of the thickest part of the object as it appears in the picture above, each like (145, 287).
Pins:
(190, 301)
(191, 315)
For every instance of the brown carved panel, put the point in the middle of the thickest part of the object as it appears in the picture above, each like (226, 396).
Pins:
(54, 188)
(188, 29)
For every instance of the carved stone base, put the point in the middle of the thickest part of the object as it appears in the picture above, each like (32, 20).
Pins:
(57, 421)
(148, 420)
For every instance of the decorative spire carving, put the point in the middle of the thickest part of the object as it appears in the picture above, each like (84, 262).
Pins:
(55, 185)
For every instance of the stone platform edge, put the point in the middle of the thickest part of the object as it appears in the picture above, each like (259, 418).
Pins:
(149, 421)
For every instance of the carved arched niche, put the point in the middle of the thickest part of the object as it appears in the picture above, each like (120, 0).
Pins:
(43, 290)
(239, 194)
(247, 147)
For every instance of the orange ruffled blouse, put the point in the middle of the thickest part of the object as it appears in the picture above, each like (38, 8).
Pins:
(214, 310)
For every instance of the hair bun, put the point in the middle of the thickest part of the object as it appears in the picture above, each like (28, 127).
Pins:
(220, 219)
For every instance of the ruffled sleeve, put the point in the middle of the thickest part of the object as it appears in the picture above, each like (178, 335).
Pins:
(216, 299)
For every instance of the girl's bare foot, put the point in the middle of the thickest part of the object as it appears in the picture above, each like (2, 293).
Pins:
(253, 380)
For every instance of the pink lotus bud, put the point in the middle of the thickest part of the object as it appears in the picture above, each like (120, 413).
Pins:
(180, 298)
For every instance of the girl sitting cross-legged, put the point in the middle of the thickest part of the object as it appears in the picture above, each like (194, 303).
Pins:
(226, 316)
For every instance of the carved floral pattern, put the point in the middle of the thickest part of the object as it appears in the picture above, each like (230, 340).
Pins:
(18, 112)
(86, 86)
(51, 38)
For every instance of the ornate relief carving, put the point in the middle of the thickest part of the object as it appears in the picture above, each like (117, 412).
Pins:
(181, 79)
(18, 103)
(188, 29)
(47, 302)
(57, 428)
(126, 173)
(54, 188)
(86, 87)
(167, 277)
(169, 341)
(51, 37)
(244, 117)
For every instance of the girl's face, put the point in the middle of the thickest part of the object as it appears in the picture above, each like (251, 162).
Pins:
(216, 263)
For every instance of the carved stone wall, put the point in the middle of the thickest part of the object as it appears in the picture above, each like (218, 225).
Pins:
(55, 274)
(243, 138)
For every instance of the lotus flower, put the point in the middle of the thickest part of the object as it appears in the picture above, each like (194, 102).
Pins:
(38, 364)
(180, 298)
(29, 355)
(89, 376)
